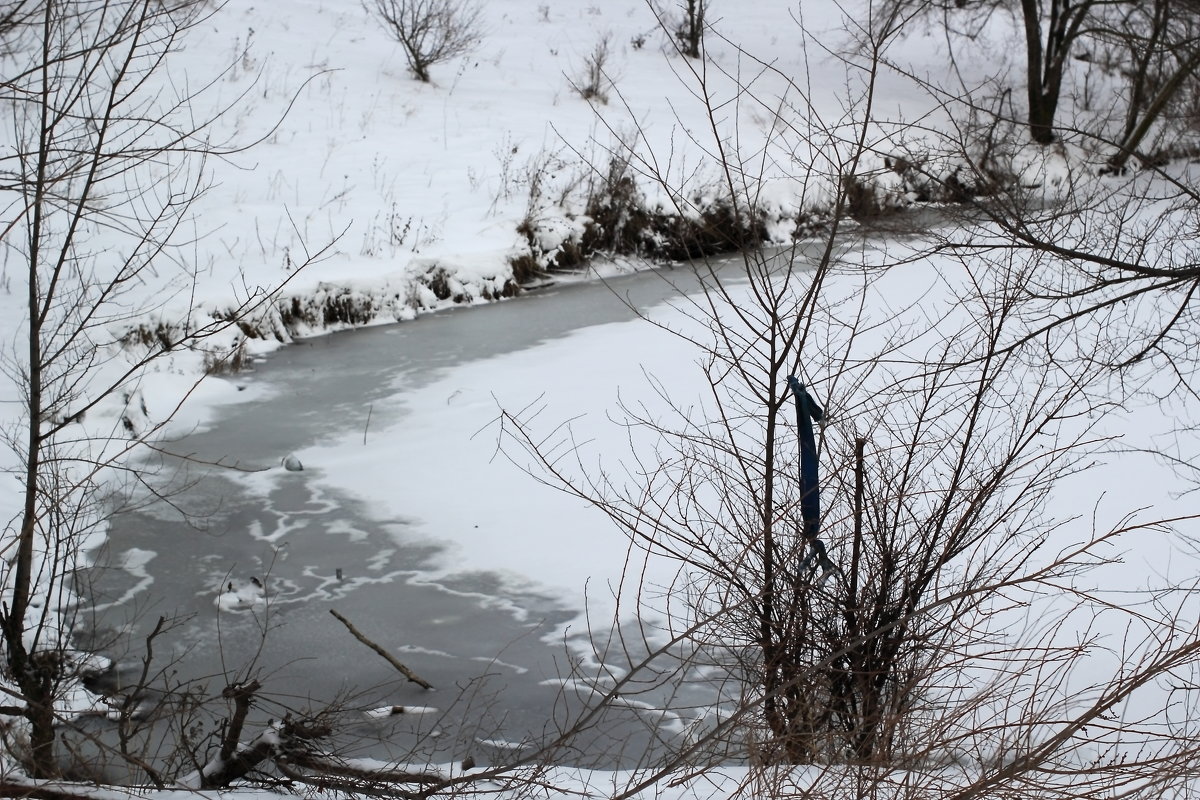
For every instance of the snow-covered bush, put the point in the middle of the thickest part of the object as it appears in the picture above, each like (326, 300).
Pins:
(611, 214)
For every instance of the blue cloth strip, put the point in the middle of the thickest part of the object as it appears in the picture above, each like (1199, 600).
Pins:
(808, 412)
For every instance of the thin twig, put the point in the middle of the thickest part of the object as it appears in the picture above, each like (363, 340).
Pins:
(405, 671)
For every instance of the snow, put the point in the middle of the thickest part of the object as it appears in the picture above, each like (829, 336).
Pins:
(391, 711)
(403, 186)
(455, 420)
(241, 595)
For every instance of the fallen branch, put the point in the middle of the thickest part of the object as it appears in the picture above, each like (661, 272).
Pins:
(243, 761)
(241, 694)
(285, 736)
(235, 760)
(405, 671)
(351, 786)
(327, 766)
(44, 791)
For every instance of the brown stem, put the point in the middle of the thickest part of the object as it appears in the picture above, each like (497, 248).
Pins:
(405, 671)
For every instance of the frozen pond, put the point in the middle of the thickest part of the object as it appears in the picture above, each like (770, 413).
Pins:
(488, 651)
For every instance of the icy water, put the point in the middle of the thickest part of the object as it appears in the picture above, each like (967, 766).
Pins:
(497, 679)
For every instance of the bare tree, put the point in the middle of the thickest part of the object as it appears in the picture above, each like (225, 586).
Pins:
(1156, 46)
(1052, 30)
(962, 629)
(691, 28)
(1150, 47)
(97, 180)
(939, 458)
(1112, 264)
(15, 17)
(430, 31)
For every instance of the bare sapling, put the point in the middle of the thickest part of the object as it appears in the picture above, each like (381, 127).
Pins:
(430, 31)
(98, 179)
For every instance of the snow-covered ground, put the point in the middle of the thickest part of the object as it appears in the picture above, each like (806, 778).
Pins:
(399, 184)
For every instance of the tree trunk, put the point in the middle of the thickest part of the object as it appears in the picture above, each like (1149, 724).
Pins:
(36, 681)
(1041, 109)
(1134, 137)
(1046, 63)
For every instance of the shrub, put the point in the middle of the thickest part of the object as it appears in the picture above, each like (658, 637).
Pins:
(616, 208)
(525, 268)
(594, 81)
(716, 227)
(430, 31)
(227, 363)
